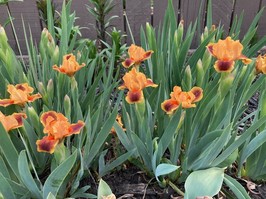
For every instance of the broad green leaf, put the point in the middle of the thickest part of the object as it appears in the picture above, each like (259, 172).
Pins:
(253, 145)
(103, 190)
(236, 187)
(206, 182)
(163, 169)
(57, 177)
(81, 192)
(118, 161)
(100, 139)
(3, 168)
(230, 149)
(9, 150)
(5, 188)
(19, 189)
(26, 176)
(169, 131)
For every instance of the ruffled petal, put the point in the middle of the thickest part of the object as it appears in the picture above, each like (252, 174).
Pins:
(12, 121)
(134, 97)
(261, 64)
(32, 98)
(6, 102)
(198, 93)
(69, 66)
(210, 48)
(169, 106)
(188, 104)
(224, 66)
(122, 87)
(76, 128)
(19, 118)
(55, 67)
(24, 87)
(147, 55)
(48, 117)
(47, 144)
(149, 82)
(128, 62)
(245, 59)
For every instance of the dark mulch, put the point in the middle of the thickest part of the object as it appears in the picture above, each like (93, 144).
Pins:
(131, 183)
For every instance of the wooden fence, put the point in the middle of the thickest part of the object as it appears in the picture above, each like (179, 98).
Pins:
(138, 13)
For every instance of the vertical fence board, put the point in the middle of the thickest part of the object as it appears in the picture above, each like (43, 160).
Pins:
(222, 11)
(26, 10)
(118, 11)
(250, 9)
(58, 4)
(8, 29)
(159, 9)
(138, 13)
(117, 22)
(85, 19)
(262, 22)
(190, 10)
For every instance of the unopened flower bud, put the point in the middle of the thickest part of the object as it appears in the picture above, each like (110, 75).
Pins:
(50, 88)
(180, 31)
(213, 28)
(199, 73)
(55, 56)
(205, 34)
(41, 88)
(206, 60)
(3, 38)
(188, 78)
(44, 35)
(43, 92)
(67, 106)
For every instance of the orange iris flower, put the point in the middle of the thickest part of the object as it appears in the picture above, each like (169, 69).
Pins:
(135, 82)
(57, 127)
(19, 94)
(261, 64)
(69, 66)
(186, 99)
(12, 121)
(227, 52)
(136, 56)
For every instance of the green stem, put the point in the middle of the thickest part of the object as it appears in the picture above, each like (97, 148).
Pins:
(175, 188)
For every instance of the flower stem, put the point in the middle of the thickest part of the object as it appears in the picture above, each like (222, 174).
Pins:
(175, 188)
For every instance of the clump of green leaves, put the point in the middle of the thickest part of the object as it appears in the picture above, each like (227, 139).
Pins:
(100, 9)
